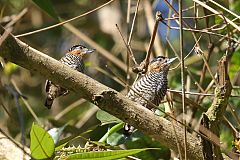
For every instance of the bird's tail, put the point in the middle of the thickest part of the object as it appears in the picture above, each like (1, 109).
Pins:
(49, 102)
(128, 130)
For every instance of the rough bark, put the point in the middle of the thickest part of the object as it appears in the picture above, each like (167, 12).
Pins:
(211, 120)
(104, 97)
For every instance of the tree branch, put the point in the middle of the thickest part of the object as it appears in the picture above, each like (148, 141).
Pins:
(214, 115)
(104, 97)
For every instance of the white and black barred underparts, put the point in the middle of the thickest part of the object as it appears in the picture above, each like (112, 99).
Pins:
(151, 87)
(73, 61)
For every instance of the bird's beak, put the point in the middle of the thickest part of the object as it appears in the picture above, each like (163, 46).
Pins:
(171, 60)
(88, 51)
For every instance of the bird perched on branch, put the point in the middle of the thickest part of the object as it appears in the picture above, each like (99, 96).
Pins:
(74, 59)
(152, 86)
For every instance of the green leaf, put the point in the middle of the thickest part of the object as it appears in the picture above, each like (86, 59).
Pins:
(148, 142)
(42, 144)
(47, 6)
(106, 155)
(106, 118)
(66, 140)
(10, 68)
(59, 147)
(118, 138)
(114, 129)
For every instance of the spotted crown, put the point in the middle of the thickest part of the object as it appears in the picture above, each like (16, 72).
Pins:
(78, 46)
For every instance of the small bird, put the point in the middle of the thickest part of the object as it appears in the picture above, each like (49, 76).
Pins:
(152, 86)
(74, 59)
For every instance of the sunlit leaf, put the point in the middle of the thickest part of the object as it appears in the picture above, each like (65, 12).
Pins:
(112, 130)
(10, 68)
(59, 147)
(106, 155)
(42, 144)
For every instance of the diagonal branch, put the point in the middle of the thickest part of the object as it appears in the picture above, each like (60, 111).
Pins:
(104, 97)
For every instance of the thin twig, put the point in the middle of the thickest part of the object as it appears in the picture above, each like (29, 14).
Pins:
(128, 11)
(15, 142)
(222, 7)
(89, 114)
(210, 49)
(216, 12)
(148, 11)
(235, 115)
(64, 22)
(191, 93)
(128, 47)
(204, 31)
(20, 113)
(26, 103)
(186, 24)
(103, 71)
(110, 57)
(182, 77)
(194, 47)
(6, 110)
(228, 34)
(171, 110)
(170, 103)
(16, 18)
(69, 108)
(210, 85)
(158, 19)
(208, 67)
(130, 54)
(143, 66)
(200, 17)
(168, 22)
(195, 81)
(133, 23)
(5, 35)
(231, 127)
(195, 11)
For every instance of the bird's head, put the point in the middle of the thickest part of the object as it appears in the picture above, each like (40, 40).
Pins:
(160, 64)
(80, 50)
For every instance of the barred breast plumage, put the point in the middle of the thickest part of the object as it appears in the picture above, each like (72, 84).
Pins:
(74, 59)
(152, 86)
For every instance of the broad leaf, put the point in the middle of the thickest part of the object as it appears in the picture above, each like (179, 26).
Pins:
(42, 144)
(10, 68)
(106, 155)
